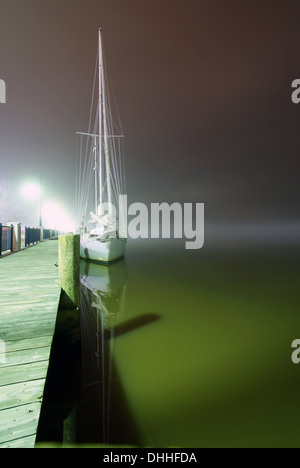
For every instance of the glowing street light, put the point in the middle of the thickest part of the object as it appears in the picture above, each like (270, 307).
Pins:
(33, 191)
(56, 215)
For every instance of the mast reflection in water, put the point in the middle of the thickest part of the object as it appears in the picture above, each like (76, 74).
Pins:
(103, 412)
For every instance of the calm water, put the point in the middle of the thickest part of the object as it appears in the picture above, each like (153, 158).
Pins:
(190, 349)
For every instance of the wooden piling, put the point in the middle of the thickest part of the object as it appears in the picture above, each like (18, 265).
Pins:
(69, 269)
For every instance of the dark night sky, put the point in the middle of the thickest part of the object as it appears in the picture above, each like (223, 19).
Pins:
(203, 89)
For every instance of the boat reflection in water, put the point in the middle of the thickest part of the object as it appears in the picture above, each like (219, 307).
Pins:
(103, 407)
(104, 289)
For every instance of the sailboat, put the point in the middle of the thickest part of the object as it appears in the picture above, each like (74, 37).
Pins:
(101, 176)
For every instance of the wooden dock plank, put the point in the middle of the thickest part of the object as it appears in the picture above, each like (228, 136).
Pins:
(23, 373)
(19, 422)
(26, 311)
(34, 329)
(26, 356)
(24, 442)
(38, 342)
(21, 393)
(29, 298)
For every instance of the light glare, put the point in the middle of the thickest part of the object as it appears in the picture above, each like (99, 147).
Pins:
(55, 216)
(31, 191)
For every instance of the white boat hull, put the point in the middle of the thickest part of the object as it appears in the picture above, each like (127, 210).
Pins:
(102, 251)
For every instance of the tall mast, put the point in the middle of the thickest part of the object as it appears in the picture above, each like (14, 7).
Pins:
(96, 170)
(100, 65)
(105, 130)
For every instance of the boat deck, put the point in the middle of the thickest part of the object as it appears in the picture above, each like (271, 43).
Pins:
(29, 299)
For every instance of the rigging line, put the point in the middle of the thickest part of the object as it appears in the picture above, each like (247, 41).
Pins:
(85, 176)
(80, 183)
(112, 89)
(113, 151)
(117, 164)
(76, 181)
(93, 92)
(123, 166)
(85, 166)
(114, 155)
(86, 183)
(116, 177)
(110, 122)
(116, 151)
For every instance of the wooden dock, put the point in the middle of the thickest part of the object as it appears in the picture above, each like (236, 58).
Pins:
(29, 299)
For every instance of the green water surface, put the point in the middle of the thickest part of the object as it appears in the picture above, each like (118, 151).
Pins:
(214, 368)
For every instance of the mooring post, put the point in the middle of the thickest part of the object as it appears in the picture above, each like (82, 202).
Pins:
(69, 269)
(16, 244)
